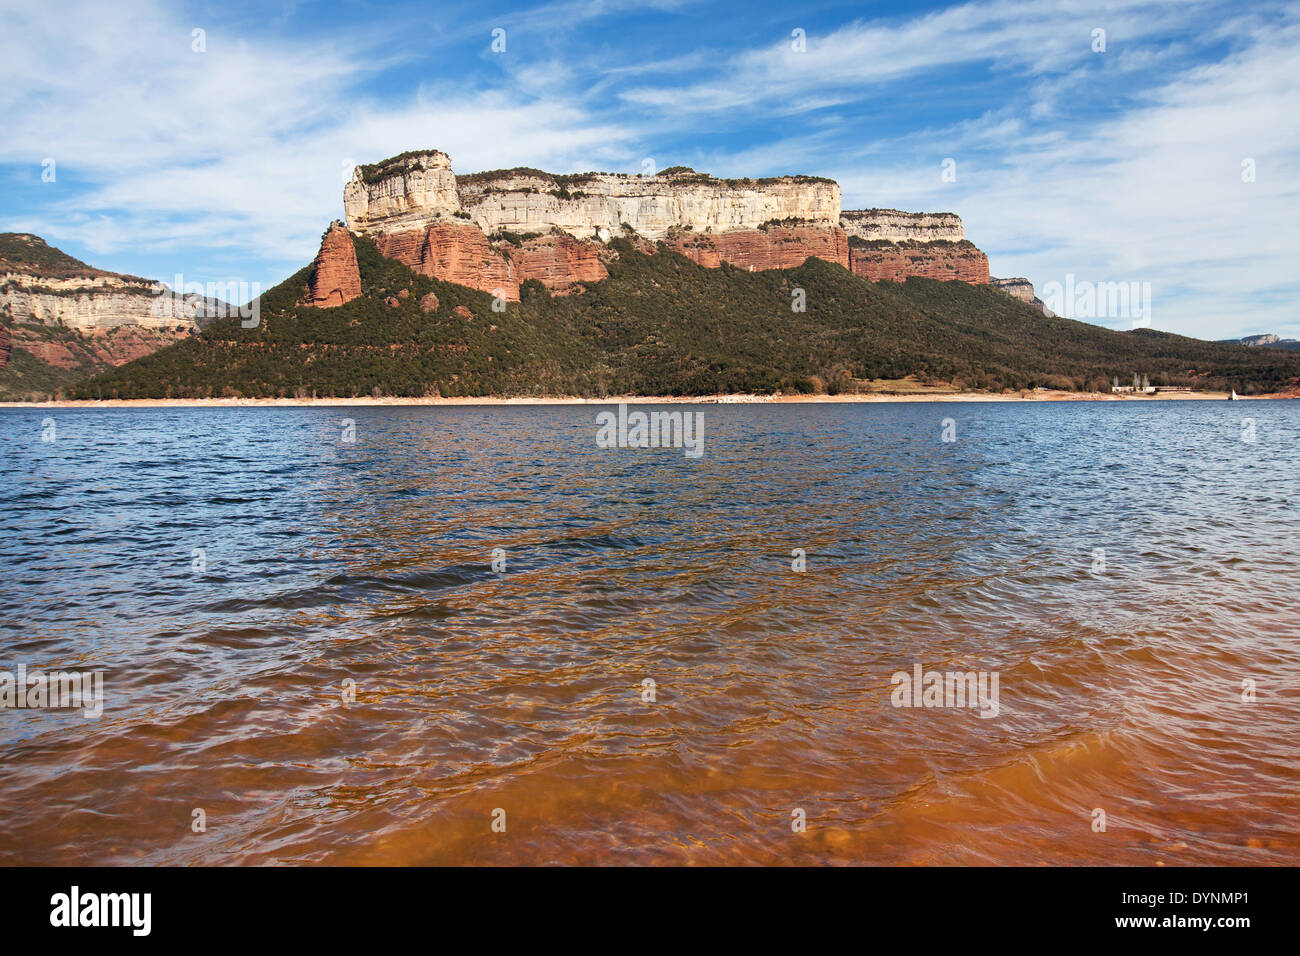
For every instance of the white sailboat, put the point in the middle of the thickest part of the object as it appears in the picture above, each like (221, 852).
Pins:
(1233, 396)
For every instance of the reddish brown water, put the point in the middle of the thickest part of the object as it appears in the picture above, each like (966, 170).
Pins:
(1120, 688)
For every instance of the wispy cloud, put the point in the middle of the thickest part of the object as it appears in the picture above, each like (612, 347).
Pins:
(1123, 165)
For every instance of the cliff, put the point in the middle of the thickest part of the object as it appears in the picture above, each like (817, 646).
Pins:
(43, 285)
(661, 324)
(1022, 289)
(335, 278)
(414, 190)
(493, 231)
(894, 225)
(59, 315)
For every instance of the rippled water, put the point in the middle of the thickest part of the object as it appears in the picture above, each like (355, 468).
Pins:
(327, 561)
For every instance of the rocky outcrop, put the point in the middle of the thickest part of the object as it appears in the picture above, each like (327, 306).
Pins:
(454, 252)
(896, 261)
(335, 278)
(494, 231)
(5, 346)
(402, 194)
(1022, 289)
(100, 303)
(889, 244)
(558, 261)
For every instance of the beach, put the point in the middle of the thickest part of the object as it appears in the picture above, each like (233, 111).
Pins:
(1037, 395)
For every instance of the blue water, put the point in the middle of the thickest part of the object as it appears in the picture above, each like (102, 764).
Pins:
(233, 571)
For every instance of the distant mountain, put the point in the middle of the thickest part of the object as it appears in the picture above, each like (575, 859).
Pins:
(1266, 341)
(659, 323)
(61, 319)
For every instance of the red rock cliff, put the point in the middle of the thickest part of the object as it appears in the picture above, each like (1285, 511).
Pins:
(777, 247)
(418, 211)
(453, 252)
(559, 262)
(335, 279)
(895, 261)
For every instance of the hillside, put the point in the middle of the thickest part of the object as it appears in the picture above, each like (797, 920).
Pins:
(25, 254)
(663, 325)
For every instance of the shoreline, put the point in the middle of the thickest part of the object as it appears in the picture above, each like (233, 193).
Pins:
(739, 399)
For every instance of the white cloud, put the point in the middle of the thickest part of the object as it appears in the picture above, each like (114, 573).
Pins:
(240, 147)
(239, 154)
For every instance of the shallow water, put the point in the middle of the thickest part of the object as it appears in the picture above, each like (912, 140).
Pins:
(327, 562)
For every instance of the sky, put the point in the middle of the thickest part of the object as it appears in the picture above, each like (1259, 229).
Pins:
(1108, 142)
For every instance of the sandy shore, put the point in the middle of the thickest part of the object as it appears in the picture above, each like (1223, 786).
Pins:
(1045, 395)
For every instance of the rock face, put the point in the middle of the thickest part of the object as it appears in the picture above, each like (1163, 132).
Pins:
(896, 261)
(1022, 289)
(889, 244)
(558, 261)
(777, 247)
(99, 303)
(335, 279)
(894, 225)
(44, 286)
(416, 189)
(494, 231)
(72, 316)
(401, 194)
(94, 350)
(454, 251)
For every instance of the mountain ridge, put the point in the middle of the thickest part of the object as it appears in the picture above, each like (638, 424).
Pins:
(662, 324)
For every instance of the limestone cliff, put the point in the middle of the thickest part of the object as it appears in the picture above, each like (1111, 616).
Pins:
(1022, 289)
(894, 225)
(42, 285)
(69, 319)
(495, 230)
(889, 244)
(414, 190)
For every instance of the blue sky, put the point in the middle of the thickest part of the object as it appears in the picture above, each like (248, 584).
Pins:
(1115, 166)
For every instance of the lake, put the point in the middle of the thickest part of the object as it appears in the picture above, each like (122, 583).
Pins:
(410, 635)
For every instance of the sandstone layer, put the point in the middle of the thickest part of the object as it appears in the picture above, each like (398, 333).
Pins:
(777, 247)
(896, 261)
(95, 349)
